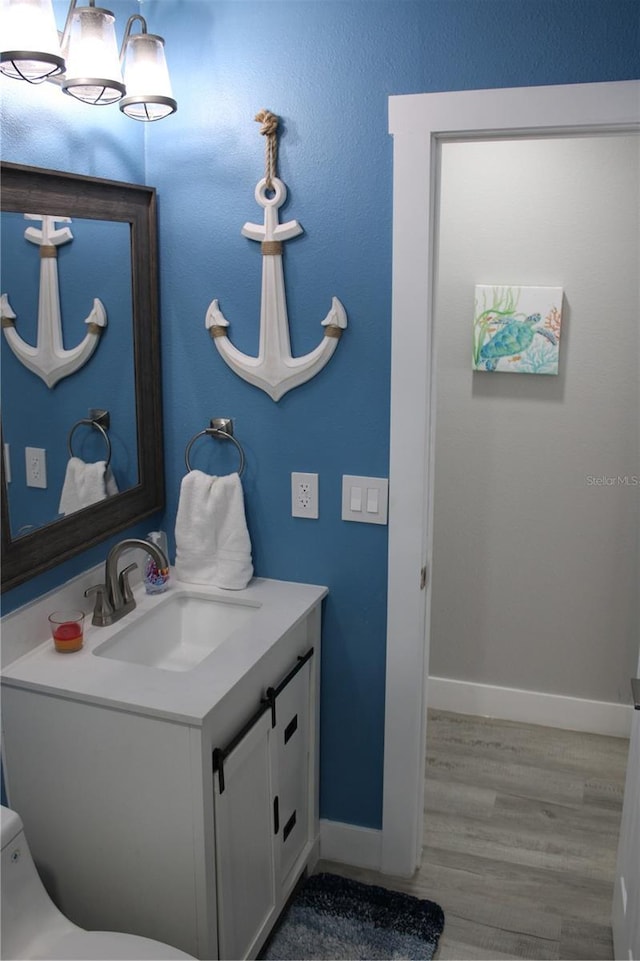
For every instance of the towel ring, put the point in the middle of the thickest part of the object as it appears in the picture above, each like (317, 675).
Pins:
(222, 429)
(86, 422)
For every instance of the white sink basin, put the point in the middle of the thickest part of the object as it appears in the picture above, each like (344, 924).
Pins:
(179, 632)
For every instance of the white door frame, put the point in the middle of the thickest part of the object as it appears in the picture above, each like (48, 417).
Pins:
(419, 123)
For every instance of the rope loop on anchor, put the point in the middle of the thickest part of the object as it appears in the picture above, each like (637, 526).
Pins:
(269, 129)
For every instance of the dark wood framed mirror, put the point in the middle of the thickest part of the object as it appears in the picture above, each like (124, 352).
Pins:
(31, 190)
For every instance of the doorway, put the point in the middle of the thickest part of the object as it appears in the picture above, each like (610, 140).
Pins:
(420, 124)
(536, 513)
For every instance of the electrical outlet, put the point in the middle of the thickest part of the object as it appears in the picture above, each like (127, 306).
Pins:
(304, 495)
(36, 466)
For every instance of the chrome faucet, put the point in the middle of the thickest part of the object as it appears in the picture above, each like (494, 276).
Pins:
(115, 598)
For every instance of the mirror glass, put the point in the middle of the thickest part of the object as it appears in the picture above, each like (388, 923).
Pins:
(93, 262)
(78, 257)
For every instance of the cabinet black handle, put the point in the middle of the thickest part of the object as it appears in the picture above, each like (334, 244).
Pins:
(289, 826)
(291, 728)
(276, 815)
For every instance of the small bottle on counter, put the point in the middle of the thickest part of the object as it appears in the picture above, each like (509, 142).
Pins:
(156, 579)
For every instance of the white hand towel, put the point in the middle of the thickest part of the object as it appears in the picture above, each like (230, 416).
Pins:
(212, 540)
(85, 484)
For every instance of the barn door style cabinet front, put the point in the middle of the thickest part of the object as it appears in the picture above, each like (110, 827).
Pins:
(262, 813)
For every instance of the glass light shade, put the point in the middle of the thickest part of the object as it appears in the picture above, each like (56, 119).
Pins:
(93, 72)
(30, 45)
(146, 78)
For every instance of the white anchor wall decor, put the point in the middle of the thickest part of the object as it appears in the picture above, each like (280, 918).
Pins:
(274, 370)
(48, 359)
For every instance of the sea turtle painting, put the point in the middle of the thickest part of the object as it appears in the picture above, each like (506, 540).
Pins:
(514, 337)
(510, 335)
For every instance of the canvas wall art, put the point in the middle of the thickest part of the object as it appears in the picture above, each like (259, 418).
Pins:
(517, 329)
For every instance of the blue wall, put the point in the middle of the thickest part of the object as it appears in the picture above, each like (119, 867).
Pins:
(327, 69)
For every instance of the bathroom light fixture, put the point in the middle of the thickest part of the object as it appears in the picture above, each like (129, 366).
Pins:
(93, 72)
(84, 58)
(31, 48)
(146, 77)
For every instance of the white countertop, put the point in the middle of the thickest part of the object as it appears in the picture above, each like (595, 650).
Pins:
(184, 696)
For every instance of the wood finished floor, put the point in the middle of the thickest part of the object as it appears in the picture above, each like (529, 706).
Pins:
(521, 829)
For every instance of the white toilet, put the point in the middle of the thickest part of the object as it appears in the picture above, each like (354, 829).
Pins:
(32, 926)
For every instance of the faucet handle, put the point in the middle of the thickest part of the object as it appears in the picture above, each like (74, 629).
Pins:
(102, 609)
(125, 586)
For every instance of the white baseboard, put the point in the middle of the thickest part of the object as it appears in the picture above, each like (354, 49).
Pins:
(350, 844)
(530, 707)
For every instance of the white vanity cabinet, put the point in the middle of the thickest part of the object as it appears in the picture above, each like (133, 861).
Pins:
(188, 828)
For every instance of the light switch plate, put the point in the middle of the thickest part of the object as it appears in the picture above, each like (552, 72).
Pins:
(365, 493)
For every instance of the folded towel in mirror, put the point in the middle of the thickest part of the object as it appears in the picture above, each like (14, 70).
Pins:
(85, 484)
(212, 541)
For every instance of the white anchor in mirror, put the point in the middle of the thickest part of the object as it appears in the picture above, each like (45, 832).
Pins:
(274, 370)
(48, 359)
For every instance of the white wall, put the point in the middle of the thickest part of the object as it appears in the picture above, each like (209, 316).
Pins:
(535, 577)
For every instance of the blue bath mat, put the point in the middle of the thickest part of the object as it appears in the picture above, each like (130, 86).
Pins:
(338, 919)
